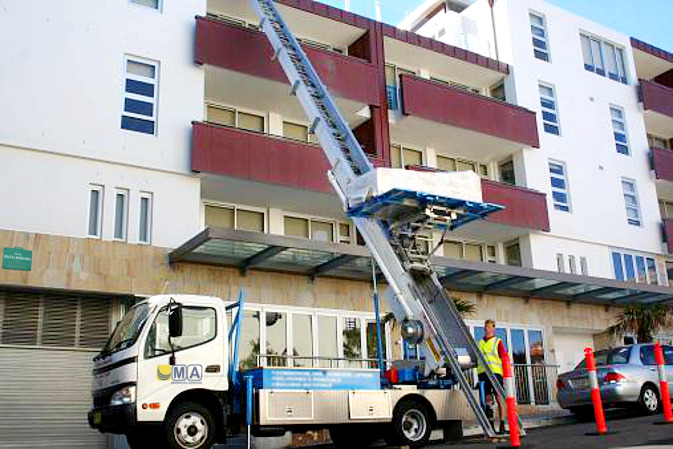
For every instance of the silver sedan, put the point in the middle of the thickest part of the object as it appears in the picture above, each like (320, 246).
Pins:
(627, 377)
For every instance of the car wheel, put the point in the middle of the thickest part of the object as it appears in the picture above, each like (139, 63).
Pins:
(649, 400)
(190, 426)
(411, 425)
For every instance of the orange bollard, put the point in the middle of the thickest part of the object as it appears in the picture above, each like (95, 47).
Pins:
(595, 392)
(663, 383)
(510, 396)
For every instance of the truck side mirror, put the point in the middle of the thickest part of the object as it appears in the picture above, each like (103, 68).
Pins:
(175, 320)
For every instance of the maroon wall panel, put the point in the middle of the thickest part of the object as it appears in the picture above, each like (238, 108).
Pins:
(668, 229)
(657, 98)
(248, 51)
(665, 79)
(663, 163)
(233, 152)
(525, 208)
(444, 104)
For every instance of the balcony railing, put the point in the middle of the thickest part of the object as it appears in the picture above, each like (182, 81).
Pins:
(662, 163)
(248, 51)
(456, 107)
(656, 98)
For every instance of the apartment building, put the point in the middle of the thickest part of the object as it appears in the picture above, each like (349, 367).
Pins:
(152, 146)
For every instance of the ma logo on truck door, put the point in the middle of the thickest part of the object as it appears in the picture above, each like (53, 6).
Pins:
(181, 374)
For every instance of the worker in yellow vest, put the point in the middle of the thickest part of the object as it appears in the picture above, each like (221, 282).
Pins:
(494, 350)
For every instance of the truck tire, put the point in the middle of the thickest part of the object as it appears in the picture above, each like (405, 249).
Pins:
(411, 425)
(190, 425)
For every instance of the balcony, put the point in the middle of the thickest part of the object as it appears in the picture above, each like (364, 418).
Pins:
(662, 163)
(657, 102)
(462, 123)
(668, 234)
(244, 51)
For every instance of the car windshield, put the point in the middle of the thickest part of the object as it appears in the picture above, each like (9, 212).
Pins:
(127, 330)
(617, 356)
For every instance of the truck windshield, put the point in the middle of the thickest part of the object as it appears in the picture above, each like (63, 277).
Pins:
(127, 330)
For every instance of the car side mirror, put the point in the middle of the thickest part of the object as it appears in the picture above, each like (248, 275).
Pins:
(175, 320)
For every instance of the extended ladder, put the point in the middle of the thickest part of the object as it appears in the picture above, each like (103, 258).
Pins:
(417, 294)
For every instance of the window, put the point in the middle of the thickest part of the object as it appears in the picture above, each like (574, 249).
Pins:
(95, 211)
(140, 95)
(538, 29)
(619, 128)
(226, 116)
(572, 264)
(392, 81)
(233, 217)
(559, 186)
(327, 340)
(513, 253)
(506, 169)
(302, 337)
(476, 252)
(560, 263)
(121, 214)
(584, 268)
(635, 268)
(345, 235)
(403, 156)
(276, 338)
(603, 58)
(631, 202)
(309, 228)
(666, 209)
(351, 337)
(199, 327)
(454, 164)
(154, 4)
(295, 131)
(145, 219)
(658, 142)
(498, 92)
(550, 119)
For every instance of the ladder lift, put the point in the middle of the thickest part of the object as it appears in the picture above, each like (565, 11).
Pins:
(390, 223)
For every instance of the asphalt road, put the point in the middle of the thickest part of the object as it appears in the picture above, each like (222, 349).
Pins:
(628, 431)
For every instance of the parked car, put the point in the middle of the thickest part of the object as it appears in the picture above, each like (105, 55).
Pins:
(627, 377)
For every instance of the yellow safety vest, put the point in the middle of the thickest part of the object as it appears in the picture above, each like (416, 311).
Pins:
(490, 350)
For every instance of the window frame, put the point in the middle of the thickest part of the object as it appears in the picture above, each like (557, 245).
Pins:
(545, 109)
(159, 8)
(237, 110)
(100, 203)
(603, 45)
(154, 100)
(165, 308)
(565, 178)
(544, 38)
(235, 207)
(402, 147)
(149, 196)
(622, 273)
(631, 221)
(615, 131)
(485, 257)
(336, 231)
(125, 194)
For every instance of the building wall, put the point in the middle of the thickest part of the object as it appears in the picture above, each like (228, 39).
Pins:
(49, 193)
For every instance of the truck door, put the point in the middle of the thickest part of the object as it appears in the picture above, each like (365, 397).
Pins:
(199, 359)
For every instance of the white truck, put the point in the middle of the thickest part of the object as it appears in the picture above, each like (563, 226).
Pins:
(165, 374)
(163, 380)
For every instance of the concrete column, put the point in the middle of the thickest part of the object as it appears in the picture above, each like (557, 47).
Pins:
(276, 221)
(275, 124)
(430, 157)
(424, 73)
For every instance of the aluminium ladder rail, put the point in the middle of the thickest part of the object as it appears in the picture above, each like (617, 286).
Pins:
(416, 295)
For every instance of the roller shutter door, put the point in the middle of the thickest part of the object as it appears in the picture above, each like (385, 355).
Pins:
(47, 342)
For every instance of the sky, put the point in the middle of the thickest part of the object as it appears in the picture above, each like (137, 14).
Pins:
(647, 20)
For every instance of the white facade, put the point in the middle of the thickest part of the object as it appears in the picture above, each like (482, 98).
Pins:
(60, 125)
(596, 222)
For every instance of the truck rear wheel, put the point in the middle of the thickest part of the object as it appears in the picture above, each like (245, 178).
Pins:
(190, 426)
(411, 425)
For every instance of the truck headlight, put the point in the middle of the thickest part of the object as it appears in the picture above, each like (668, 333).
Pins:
(123, 396)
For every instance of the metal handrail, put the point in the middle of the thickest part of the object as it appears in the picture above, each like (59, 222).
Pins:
(332, 360)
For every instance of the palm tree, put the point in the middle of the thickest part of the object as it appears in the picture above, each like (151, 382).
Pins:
(642, 320)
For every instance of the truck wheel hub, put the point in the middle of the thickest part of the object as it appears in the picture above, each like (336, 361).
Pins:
(190, 430)
(413, 425)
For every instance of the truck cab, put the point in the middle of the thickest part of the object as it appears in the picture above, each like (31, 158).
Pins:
(144, 378)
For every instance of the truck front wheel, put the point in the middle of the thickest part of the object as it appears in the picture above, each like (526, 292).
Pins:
(190, 426)
(411, 425)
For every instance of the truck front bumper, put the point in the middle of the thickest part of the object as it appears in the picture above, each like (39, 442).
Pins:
(113, 419)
